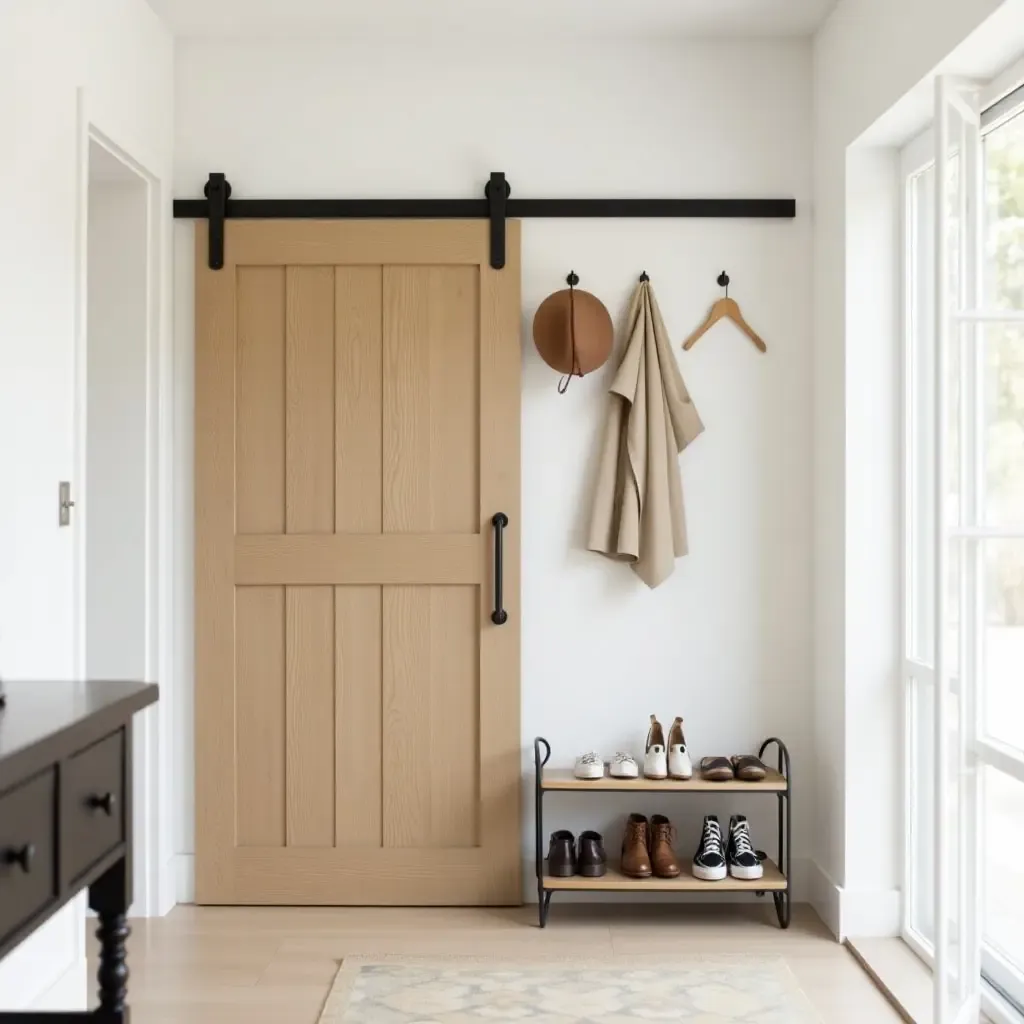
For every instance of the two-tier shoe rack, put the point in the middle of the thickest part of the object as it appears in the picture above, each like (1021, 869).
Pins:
(776, 872)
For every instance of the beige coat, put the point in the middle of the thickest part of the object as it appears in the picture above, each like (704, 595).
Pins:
(638, 505)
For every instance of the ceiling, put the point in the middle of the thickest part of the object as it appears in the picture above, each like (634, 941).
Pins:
(399, 18)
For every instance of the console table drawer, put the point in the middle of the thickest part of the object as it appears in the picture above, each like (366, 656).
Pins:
(28, 877)
(95, 805)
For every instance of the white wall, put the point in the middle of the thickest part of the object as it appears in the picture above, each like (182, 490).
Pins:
(864, 108)
(116, 431)
(726, 642)
(62, 64)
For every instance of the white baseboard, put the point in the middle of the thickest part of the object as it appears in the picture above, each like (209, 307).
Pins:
(853, 913)
(69, 992)
(825, 896)
(185, 878)
(168, 888)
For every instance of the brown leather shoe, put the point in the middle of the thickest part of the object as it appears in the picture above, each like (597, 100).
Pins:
(636, 860)
(663, 859)
(562, 855)
(590, 858)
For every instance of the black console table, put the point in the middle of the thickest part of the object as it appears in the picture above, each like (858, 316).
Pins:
(66, 820)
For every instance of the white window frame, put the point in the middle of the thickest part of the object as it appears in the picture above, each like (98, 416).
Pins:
(1000, 100)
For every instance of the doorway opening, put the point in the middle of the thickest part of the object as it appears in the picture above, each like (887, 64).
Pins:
(114, 497)
(119, 391)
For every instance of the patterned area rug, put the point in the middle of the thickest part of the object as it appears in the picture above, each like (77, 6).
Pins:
(723, 990)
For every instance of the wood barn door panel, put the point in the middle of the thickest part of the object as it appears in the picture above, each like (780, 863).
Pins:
(431, 711)
(360, 742)
(309, 715)
(357, 422)
(431, 383)
(309, 402)
(358, 383)
(259, 397)
(260, 715)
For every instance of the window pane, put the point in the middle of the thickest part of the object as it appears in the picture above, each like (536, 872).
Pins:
(1002, 866)
(922, 809)
(1004, 215)
(921, 413)
(1003, 411)
(1002, 645)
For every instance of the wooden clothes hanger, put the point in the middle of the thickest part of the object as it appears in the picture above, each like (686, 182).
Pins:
(725, 309)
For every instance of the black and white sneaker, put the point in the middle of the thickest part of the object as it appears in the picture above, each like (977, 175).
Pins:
(741, 855)
(709, 860)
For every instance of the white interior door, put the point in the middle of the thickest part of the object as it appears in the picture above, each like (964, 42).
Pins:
(957, 316)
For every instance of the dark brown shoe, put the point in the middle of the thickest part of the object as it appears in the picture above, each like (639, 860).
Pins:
(636, 860)
(591, 861)
(562, 855)
(748, 768)
(716, 769)
(663, 859)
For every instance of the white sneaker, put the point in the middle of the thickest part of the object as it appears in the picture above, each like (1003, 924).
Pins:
(589, 766)
(679, 766)
(655, 758)
(623, 766)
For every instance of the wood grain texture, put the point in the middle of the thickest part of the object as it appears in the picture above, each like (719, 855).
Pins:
(359, 559)
(359, 741)
(431, 710)
(454, 722)
(309, 755)
(361, 876)
(260, 716)
(357, 390)
(562, 778)
(258, 965)
(259, 390)
(324, 243)
(389, 439)
(616, 881)
(500, 404)
(406, 710)
(431, 413)
(310, 400)
(214, 590)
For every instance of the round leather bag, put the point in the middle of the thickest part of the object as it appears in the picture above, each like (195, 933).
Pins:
(572, 316)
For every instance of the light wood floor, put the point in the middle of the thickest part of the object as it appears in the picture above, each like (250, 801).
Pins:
(219, 965)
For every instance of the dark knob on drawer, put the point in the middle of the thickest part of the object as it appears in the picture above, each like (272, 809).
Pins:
(22, 856)
(105, 803)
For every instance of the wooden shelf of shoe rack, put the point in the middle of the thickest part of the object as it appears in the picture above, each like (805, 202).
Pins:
(776, 872)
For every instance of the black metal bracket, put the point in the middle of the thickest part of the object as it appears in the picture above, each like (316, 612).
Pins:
(497, 191)
(496, 207)
(217, 190)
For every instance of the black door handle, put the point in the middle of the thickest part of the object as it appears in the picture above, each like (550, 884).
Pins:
(499, 616)
(104, 803)
(22, 857)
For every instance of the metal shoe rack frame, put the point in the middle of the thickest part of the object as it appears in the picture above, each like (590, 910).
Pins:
(780, 896)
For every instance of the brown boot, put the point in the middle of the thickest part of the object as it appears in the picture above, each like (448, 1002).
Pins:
(636, 861)
(663, 859)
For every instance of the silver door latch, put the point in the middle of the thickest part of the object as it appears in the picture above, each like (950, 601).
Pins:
(65, 503)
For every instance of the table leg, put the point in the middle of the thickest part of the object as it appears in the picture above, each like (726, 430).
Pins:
(110, 897)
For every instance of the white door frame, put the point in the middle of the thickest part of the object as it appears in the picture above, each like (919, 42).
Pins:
(153, 864)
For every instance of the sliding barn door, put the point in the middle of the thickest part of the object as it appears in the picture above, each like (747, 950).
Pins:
(357, 428)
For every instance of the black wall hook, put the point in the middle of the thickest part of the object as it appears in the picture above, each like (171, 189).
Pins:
(644, 277)
(723, 282)
(572, 280)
